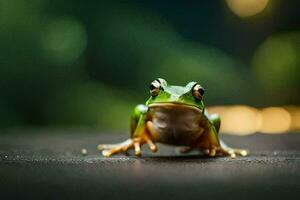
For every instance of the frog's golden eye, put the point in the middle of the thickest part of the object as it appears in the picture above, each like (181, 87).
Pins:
(154, 88)
(198, 91)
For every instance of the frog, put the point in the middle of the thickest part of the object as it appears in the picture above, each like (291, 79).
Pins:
(174, 115)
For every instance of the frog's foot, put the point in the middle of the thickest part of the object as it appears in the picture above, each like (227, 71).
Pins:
(110, 149)
(211, 152)
(135, 143)
(232, 152)
(224, 150)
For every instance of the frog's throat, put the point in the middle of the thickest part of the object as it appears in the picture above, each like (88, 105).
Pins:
(174, 105)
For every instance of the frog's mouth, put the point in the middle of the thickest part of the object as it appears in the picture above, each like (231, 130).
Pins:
(175, 105)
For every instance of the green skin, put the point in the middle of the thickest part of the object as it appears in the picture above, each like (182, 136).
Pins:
(174, 116)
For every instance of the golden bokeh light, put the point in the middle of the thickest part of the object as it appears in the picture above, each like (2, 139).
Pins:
(296, 120)
(239, 120)
(247, 8)
(295, 114)
(275, 120)
(243, 120)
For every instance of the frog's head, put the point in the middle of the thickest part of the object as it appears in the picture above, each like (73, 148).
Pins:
(162, 92)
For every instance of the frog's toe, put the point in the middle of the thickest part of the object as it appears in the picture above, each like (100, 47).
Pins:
(234, 152)
(106, 146)
(109, 152)
(110, 149)
(241, 152)
(138, 142)
(137, 148)
(126, 143)
(212, 152)
(151, 145)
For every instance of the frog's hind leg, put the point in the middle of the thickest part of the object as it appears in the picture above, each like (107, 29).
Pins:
(139, 136)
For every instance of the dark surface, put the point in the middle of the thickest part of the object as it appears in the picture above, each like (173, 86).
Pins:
(49, 165)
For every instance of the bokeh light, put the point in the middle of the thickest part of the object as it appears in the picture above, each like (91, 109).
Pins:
(61, 63)
(294, 112)
(64, 40)
(276, 64)
(275, 120)
(242, 120)
(247, 8)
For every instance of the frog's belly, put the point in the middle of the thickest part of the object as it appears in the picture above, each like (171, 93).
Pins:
(176, 125)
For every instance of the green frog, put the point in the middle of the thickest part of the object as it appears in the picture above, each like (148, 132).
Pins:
(174, 115)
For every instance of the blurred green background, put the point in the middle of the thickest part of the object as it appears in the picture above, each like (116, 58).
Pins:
(87, 63)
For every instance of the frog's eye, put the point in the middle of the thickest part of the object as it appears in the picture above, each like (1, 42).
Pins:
(154, 88)
(198, 91)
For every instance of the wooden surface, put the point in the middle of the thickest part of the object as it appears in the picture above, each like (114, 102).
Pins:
(48, 164)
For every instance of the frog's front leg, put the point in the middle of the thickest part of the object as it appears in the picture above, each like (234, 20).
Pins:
(210, 143)
(139, 135)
